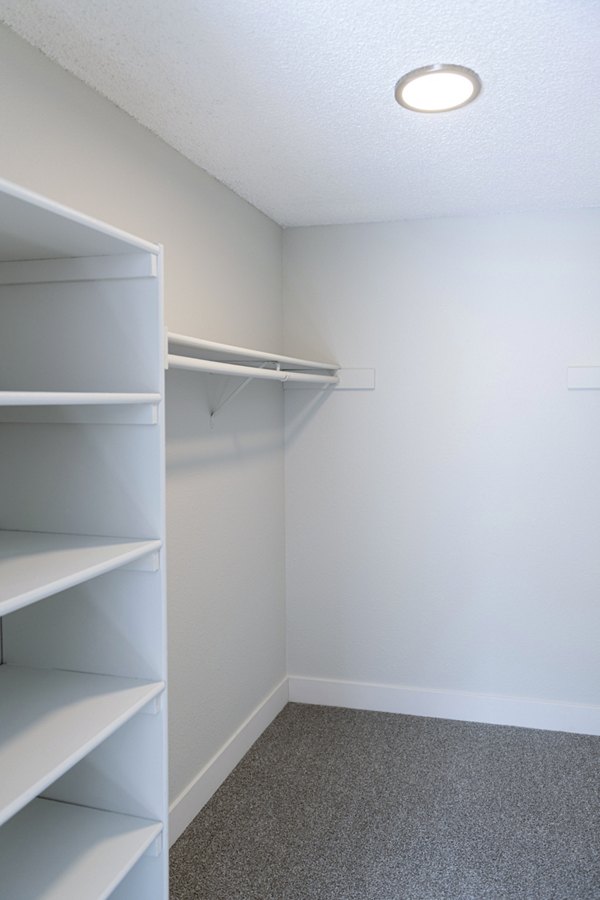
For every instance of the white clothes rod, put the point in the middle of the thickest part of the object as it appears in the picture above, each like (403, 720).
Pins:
(181, 340)
(225, 368)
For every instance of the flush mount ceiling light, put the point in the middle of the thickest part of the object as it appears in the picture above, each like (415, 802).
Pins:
(437, 88)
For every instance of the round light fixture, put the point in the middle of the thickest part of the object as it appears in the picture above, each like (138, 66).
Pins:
(437, 88)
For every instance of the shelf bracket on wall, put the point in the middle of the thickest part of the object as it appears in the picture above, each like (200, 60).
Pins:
(229, 397)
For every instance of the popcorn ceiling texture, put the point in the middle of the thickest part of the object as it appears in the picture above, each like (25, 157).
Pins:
(292, 104)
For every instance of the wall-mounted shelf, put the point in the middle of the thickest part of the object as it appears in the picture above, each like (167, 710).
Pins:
(209, 356)
(197, 355)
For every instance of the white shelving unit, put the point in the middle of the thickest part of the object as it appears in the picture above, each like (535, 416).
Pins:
(83, 765)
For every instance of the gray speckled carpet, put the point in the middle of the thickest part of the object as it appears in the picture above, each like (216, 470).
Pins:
(335, 804)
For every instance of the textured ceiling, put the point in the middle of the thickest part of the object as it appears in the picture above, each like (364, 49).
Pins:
(291, 102)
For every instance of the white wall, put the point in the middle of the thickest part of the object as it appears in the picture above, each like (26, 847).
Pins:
(444, 530)
(223, 282)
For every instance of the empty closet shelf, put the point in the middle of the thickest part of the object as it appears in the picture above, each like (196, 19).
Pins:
(50, 719)
(34, 565)
(75, 398)
(202, 349)
(57, 850)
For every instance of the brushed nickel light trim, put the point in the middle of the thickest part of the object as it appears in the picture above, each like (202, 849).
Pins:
(468, 77)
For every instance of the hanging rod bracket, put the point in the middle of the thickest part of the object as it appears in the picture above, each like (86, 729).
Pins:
(234, 393)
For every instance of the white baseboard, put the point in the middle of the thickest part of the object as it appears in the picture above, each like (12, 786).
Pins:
(191, 800)
(578, 718)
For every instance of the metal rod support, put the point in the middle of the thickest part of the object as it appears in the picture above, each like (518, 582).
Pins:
(233, 394)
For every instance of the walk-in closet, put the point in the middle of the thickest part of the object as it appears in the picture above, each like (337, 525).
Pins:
(299, 438)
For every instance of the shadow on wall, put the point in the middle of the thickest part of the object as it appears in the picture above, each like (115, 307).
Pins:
(296, 421)
(250, 426)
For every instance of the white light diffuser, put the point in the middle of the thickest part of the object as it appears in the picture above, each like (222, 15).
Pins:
(437, 88)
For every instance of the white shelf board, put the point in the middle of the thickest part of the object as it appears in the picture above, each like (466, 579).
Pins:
(82, 268)
(38, 228)
(34, 565)
(233, 354)
(50, 719)
(57, 851)
(74, 398)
